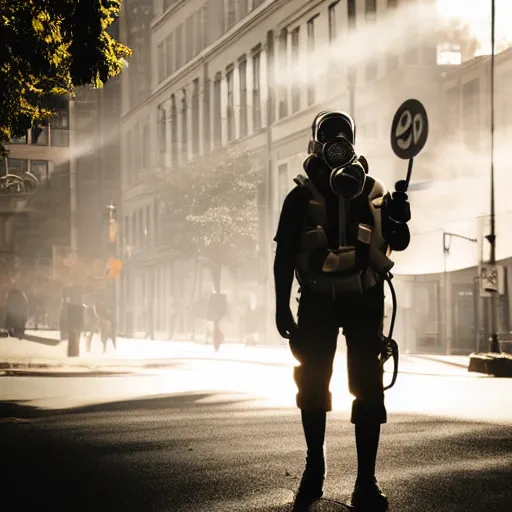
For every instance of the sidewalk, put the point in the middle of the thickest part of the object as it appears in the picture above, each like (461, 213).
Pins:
(43, 351)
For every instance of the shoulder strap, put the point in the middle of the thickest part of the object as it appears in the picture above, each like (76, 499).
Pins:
(316, 204)
(303, 181)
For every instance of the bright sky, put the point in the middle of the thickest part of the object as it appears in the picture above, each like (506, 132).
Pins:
(477, 14)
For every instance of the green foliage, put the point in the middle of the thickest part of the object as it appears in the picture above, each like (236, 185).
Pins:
(48, 48)
(210, 207)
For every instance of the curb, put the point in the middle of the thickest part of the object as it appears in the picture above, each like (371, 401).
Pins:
(496, 365)
(57, 369)
(51, 372)
(80, 370)
(234, 360)
(436, 360)
(41, 368)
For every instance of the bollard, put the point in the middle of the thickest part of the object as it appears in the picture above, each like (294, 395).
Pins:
(73, 343)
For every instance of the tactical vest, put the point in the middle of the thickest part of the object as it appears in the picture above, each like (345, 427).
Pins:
(347, 269)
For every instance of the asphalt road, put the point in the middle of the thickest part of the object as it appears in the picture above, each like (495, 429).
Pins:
(104, 444)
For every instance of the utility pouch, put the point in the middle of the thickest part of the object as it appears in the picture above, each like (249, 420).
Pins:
(336, 286)
(379, 262)
(341, 260)
(314, 239)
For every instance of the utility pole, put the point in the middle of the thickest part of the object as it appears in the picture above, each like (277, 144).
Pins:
(494, 344)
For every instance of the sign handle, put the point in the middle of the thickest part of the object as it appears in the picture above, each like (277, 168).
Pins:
(409, 173)
(403, 185)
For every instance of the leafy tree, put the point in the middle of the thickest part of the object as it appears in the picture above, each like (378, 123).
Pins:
(209, 208)
(456, 32)
(48, 48)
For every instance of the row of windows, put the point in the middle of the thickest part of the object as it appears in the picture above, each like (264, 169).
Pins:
(177, 117)
(234, 110)
(243, 100)
(470, 113)
(411, 55)
(183, 44)
(173, 120)
(235, 10)
(138, 73)
(138, 148)
(179, 122)
(20, 166)
(192, 36)
(48, 133)
(140, 229)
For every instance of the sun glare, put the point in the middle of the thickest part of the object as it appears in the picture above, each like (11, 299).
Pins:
(477, 15)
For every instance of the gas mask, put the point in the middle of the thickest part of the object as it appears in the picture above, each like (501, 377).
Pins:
(333, 138)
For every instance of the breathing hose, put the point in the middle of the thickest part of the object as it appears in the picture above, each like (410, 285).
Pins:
(390, 348)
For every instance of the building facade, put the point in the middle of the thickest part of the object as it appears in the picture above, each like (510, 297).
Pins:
(254, 74)
(447, 312)
(32, 224)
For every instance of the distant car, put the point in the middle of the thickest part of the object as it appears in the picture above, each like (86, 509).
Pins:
(4, 333)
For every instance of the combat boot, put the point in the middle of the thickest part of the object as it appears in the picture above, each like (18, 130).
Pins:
(368, 497)
(311, 486)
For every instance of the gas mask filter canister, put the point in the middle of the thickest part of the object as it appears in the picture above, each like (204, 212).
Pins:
(348, 176)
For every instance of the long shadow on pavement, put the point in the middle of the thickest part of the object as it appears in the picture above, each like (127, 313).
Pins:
(181, 453)
(41, 340)
(22, 409)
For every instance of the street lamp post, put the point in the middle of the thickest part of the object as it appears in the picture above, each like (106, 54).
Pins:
(112, 252)
(494, 344)
(447, 239)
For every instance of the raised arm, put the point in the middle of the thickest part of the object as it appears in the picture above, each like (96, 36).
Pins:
(396, 213)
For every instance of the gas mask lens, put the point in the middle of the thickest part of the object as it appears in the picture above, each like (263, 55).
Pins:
(338, 152)
(334, 127)
(348, 182)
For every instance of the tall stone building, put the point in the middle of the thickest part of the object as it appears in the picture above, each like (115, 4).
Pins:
(252, 75)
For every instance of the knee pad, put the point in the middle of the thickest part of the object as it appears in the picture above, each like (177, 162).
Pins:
(368, 411)
(313, 388)
(314, 402)
(309, 374)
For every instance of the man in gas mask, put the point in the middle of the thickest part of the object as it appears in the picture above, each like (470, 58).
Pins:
(336, 229)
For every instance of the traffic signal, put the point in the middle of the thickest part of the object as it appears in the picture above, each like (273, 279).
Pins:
(114, 267)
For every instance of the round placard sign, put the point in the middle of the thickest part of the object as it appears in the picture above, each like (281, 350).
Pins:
(409, 130)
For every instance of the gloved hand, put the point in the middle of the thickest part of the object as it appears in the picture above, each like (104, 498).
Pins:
(399, 208)
(285, 322)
